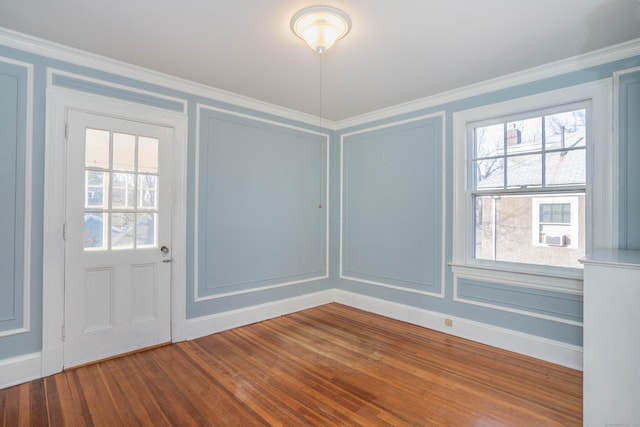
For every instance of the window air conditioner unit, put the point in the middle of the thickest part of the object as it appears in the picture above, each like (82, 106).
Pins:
(554, 239)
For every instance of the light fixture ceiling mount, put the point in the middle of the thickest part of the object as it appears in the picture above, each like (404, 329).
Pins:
(320, 26)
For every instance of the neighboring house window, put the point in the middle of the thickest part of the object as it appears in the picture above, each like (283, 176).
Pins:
(555, 213)
(555, 222)
(524, 173)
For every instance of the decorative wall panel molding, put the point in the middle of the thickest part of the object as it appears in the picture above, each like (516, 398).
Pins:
(262, 203)
(16, 97)
(391, 205)
(559, 307)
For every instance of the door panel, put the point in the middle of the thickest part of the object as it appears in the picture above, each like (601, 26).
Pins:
(118, 217)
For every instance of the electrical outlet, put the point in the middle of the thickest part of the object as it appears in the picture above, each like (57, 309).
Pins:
(448, 322)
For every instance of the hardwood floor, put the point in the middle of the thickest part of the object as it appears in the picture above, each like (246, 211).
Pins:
(330, 365)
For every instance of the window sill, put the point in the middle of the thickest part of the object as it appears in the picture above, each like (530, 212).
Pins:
(543, 278)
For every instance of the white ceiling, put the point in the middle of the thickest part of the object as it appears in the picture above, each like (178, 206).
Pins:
(397, 50)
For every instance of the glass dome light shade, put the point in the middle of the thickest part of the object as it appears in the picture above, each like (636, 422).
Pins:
(320, 26)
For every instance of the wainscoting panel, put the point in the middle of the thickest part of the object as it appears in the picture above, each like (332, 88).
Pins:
(262, 205)
(391, 205)
(560, 307)
(15, 92)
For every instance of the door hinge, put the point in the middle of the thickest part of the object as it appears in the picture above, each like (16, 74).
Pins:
(64, 231)
(66, 131)
(64, 332)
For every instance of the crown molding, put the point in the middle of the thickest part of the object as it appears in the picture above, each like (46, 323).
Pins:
(49, 49)
(38, 46)
(576, 63)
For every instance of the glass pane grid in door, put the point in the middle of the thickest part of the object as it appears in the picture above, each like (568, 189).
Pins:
(121, 188)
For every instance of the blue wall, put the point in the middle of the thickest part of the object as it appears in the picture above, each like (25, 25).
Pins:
(629, 134)
(261, 192)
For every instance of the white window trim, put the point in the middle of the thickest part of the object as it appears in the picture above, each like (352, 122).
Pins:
(601, 192)
(550, 199)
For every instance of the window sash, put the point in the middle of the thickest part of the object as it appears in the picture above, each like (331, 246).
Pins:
(539, 151)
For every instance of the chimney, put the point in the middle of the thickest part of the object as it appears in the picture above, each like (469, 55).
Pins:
(514, 136)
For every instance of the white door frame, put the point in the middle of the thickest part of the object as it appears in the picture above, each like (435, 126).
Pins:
(59, 102)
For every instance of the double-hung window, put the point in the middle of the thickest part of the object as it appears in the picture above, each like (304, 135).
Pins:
(523, 167)
(525, 175)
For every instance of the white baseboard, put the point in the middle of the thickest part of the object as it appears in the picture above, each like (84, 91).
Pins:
(21, 369)
(530, 345)
(52, 359)
(29, 367)
(207, 325)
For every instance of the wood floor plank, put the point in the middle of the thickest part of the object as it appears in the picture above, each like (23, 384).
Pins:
(329, 365)
(10, 406)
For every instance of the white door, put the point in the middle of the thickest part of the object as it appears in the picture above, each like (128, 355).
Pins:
(118, 237)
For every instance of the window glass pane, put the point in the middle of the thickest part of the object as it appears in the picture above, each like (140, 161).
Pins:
(122, 230)
(555, 213)
(489, 173)
(147, 191)
(524, 171)
(96, 184)
(489, 141)
(123, 191)
(504, 230)
(94, 230)
(524, 135)
(483, 225)
(566, 168)
(147, 154)
(96, 151)
(146, 229)
(545, 212)
(565, 130)
(124, 151)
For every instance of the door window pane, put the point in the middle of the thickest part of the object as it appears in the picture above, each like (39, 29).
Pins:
(94, 230)
(146, 229)
(147, 191)
(122, 230)
(96, 152)
(147, 154)
(123, 191)
(96, 184)
(124, 151)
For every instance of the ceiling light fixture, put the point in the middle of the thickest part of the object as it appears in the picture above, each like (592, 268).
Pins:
(320, 26)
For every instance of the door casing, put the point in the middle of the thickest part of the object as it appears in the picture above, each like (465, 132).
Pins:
(59, 102)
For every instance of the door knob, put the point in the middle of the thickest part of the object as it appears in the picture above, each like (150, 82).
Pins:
(164, 250)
